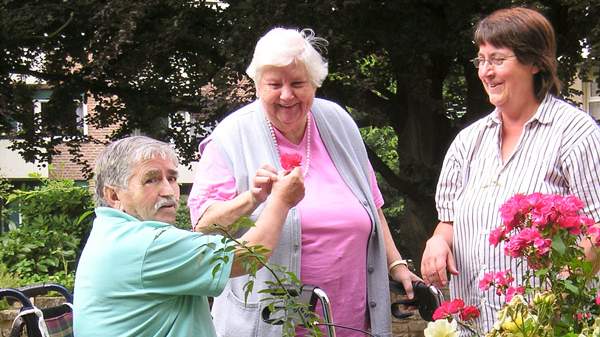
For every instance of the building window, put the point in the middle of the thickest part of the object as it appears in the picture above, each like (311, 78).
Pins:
(80, 111)
(593, 102)
(10, 127)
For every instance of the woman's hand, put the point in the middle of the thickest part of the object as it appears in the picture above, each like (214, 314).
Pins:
(403, 275)
(437, 261)
(262, 184)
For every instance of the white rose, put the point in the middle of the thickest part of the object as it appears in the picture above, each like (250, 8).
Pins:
(441, 328)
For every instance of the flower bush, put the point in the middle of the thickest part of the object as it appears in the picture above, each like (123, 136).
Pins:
(445, 326)
(557, 295)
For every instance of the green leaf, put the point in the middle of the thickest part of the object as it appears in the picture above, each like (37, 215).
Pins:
(84, 216)
(216, 270)
(248, 290)
(558, 245)
(241, 223)
(50, 261)
(572, 288)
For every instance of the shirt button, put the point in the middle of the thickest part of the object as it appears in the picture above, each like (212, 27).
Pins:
(372, 304)
(370, 269)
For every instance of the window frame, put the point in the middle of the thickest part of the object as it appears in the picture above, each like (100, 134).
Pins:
(81, 112)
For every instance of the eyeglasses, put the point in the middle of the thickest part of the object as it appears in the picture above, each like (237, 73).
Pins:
(496, 61)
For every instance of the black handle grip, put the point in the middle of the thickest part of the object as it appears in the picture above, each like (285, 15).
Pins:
(426, 299)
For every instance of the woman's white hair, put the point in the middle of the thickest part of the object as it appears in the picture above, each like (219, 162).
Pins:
(280, 47)
(116, 162)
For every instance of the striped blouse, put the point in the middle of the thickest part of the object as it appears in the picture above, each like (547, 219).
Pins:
(558, 152)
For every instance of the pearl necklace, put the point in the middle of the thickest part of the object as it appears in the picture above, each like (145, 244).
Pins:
(308, 141)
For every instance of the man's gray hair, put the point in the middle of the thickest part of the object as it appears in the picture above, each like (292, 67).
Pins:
(116, 162)
(280, 47)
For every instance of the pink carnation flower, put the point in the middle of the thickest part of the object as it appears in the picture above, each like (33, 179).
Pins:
(512, 211)
(469, 313)
(487, 281)
(527, 237)
(290, 160)
(448, 308)
(496, 236)
(512, 291)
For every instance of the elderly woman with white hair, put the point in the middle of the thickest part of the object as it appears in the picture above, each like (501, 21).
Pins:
(337, 237)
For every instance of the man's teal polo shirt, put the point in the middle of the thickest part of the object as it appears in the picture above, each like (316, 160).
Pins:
(146, 278)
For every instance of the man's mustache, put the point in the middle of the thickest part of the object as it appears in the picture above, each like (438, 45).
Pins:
(165, 202)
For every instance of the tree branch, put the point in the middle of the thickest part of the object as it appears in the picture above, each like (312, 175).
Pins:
(22, 70)
(61, 28)
(407, 187)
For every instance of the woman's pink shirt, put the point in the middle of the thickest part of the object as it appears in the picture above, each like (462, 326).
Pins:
(335, 225)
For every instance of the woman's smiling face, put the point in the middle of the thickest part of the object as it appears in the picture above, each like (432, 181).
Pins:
(508, 83)
(287, 95)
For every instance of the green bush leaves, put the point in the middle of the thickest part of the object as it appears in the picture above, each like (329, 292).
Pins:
(56, 218)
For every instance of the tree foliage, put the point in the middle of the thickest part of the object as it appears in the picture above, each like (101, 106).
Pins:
(399, 64)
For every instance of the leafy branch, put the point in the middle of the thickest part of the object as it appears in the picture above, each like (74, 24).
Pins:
(283, 299)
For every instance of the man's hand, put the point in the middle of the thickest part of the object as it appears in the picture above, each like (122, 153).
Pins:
(289, 188)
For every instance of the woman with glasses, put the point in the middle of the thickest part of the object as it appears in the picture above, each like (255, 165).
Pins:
(532, 142)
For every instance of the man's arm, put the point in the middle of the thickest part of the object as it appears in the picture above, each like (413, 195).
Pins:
(287, 191)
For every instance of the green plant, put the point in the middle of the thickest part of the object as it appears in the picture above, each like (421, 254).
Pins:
(5, 189)
(384, 142)
(182, 219)
(7, 280)
(282, 293)
(56, 219)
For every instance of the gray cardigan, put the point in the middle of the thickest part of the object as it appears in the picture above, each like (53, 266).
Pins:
(245, 142)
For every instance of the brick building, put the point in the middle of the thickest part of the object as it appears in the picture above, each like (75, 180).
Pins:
(15, 169)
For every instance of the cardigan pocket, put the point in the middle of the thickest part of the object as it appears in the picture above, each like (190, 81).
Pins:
(233, 317)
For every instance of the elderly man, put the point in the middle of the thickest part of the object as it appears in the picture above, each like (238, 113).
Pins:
(139, 275)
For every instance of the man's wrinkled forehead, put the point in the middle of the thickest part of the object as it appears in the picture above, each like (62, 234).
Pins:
(149, 168)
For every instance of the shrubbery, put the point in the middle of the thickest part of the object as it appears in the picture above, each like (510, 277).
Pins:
(182, 219)
(56, 218)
